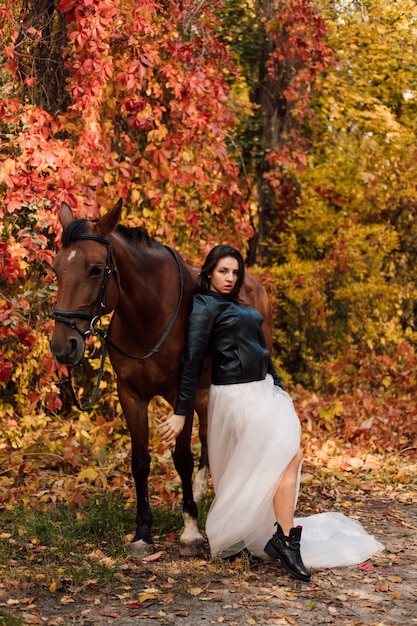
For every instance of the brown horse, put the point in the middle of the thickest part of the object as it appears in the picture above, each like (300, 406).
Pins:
(104, 267)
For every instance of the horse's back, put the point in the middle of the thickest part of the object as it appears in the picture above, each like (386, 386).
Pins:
(254, 294)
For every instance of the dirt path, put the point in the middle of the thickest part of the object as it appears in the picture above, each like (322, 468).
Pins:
(189, 591)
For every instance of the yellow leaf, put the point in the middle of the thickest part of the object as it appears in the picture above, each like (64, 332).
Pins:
(52, 587)
(147, 596)
(195, 591)
(87, 474)
(135, 196)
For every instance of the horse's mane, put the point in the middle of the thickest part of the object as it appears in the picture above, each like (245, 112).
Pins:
(79, 227)
(138, 235)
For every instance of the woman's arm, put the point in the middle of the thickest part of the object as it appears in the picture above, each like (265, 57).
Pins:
(200, 325)
(274, 374)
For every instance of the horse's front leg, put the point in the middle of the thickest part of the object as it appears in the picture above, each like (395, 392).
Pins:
(191, 537)
(136, 415)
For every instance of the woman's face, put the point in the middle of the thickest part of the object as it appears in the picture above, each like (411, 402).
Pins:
(224, 276)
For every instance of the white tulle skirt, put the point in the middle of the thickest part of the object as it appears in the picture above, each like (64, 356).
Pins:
(253, 433)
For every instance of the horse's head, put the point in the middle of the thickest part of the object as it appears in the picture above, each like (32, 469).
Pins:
(87, 282)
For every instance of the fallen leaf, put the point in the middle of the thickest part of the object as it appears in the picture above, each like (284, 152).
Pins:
(67, 600)
(107, 562)
(355, 462)
(147, 596)
(365, 567)
(152, 557)
(135, 605)
(195, 591)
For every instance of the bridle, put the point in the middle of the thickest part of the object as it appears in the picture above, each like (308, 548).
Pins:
(66, 316)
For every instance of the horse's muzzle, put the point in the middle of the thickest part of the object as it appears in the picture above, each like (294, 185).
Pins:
(68, 351)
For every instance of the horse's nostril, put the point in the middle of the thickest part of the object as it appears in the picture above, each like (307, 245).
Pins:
(73, 346)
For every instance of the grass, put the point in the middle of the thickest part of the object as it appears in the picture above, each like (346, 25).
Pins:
(62, 548)
(7, 619)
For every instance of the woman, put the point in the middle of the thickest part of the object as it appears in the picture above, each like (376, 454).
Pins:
(253, 429)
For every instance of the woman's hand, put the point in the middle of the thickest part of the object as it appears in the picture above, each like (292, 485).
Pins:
(172, 427)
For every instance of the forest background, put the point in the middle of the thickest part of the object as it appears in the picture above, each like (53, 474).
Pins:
(285, 127)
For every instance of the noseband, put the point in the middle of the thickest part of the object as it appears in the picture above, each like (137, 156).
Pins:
(66, 315)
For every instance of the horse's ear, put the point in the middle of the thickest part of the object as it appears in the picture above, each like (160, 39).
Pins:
(108, 222)
(65, 215)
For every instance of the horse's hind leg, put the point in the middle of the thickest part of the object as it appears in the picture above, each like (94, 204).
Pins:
(184, 464)
(201, 477)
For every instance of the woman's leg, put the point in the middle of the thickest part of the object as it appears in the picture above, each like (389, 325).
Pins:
(285, 495)
(285, 544)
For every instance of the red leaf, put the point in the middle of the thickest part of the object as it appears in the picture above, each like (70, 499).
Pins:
(66, 5)
(365, 567)
(135, 605)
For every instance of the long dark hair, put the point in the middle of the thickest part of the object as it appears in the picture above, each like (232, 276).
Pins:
(213, 257)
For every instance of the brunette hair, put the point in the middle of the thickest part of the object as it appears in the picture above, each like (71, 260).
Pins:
(213, 257)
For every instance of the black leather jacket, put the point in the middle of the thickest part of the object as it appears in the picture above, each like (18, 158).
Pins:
(230, 333)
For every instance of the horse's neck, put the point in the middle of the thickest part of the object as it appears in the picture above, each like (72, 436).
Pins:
(149, 284)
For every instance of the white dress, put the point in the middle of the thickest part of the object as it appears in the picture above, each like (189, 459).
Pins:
(253, 433)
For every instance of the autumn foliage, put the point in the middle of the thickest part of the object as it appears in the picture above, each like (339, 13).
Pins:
(146, 101)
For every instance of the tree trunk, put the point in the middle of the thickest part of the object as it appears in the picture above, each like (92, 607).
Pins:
(276, 122)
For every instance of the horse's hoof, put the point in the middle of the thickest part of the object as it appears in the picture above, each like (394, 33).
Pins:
(196, 548)
(140, 549)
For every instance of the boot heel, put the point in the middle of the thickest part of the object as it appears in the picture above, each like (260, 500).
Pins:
(271, 552)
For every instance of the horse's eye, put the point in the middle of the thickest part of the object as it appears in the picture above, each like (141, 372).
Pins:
(96, 270)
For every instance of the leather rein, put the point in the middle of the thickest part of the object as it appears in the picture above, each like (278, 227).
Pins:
(66, 316)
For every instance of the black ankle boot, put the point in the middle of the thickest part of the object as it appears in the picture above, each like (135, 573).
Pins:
(287, 550)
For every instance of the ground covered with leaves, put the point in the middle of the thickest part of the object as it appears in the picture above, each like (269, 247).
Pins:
(63, 566)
